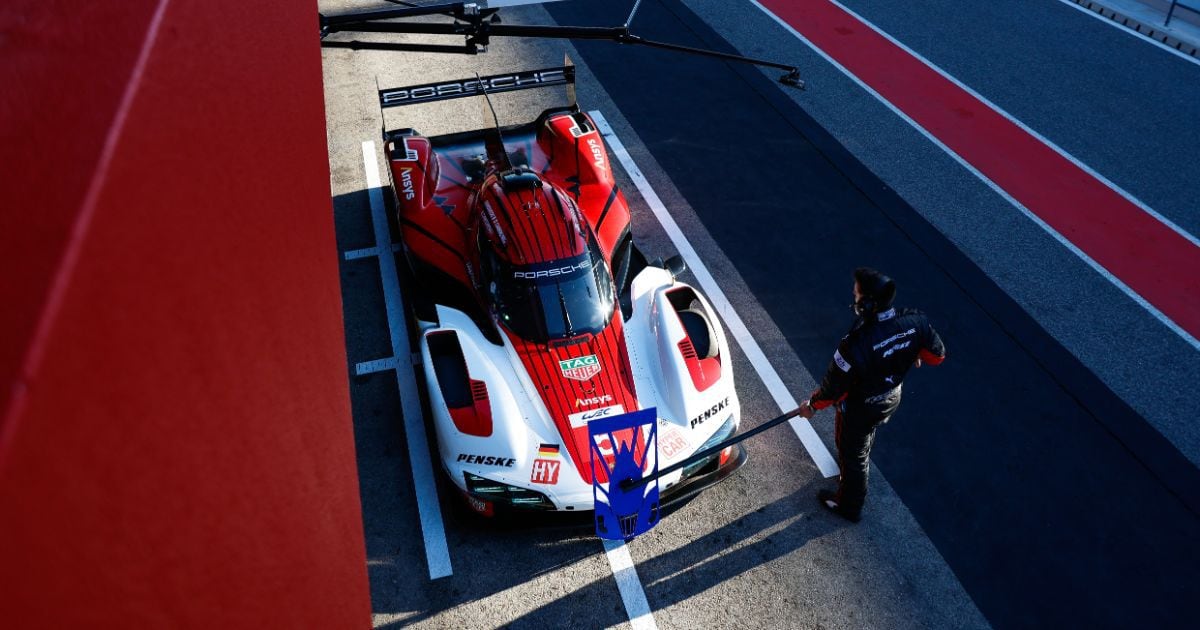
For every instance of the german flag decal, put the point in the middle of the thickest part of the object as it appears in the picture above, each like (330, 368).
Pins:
(548, 450)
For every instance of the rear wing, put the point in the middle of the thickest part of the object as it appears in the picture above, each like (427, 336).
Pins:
(478, 86)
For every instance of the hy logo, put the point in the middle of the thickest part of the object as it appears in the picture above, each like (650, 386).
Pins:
(580, 368)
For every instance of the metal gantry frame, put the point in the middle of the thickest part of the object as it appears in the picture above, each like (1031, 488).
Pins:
(1171, 12)
(478, 24)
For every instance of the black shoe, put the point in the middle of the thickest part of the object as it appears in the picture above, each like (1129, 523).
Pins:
(828, 499)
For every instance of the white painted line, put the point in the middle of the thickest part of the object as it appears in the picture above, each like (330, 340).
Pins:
(1133, 295)
(367, 252)
(355, 254)
(629, 585)
(733, 322)
(1142, 36)
(437, 555)
(378, 365)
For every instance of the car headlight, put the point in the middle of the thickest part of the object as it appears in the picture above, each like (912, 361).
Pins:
(721, 435)
(502, 492)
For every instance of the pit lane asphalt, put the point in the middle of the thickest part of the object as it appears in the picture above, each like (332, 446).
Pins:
(752, 552)
(1120, 104)
(1037, 484)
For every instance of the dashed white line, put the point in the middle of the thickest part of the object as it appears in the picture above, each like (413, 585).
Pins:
(437, 555)
(356, 254)
(629, 585)
(783, 398)
(378, 365)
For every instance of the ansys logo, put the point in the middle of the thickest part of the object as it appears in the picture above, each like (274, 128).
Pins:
(580, 368)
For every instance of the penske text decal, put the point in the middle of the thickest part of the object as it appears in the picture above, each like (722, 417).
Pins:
(710, 412)
(486, 460)
(580, 368)
(581, 419)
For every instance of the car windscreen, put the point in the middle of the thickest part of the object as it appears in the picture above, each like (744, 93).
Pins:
(555, 300)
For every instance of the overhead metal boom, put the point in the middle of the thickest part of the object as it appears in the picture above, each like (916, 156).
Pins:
(478, 23)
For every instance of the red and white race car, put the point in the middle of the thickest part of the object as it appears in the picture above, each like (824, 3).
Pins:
(538, 314)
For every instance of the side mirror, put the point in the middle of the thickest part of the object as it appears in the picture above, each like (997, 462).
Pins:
(676, 265)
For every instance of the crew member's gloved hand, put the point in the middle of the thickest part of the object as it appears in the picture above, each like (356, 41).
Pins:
(806, 410)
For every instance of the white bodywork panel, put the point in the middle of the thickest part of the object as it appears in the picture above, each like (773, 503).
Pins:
(520, 419)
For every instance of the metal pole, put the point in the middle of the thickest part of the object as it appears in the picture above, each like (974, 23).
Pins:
(399, 47)
(479, 32)
(630, 484)
(387, 14)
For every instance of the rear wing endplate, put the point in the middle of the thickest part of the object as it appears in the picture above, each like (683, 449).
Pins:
(477, 86)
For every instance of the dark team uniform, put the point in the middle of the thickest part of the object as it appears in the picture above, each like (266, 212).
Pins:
(864, 381)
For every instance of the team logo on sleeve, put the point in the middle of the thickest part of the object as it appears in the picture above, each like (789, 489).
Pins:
(842, 363)
(580, 368)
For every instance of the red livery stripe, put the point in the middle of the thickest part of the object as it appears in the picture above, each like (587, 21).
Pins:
(1152, 259)
(561, 395)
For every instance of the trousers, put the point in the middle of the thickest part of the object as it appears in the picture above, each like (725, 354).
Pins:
(854, 432)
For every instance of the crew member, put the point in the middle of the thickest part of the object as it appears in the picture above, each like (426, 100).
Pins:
(863, 381)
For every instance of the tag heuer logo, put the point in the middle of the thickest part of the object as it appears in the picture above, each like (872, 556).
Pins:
(580, 368)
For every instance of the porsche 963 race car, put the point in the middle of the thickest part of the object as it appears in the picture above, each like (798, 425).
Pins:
(537, 313)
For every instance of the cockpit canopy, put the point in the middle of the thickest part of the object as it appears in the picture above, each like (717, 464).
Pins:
(553, 300)
(542, 268)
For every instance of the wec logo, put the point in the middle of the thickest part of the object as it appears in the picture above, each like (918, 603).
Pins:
(577, 420)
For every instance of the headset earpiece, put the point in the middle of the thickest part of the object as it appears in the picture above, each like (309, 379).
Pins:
(876, 291)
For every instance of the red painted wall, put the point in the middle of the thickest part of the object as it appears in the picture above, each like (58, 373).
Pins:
(175, 446)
